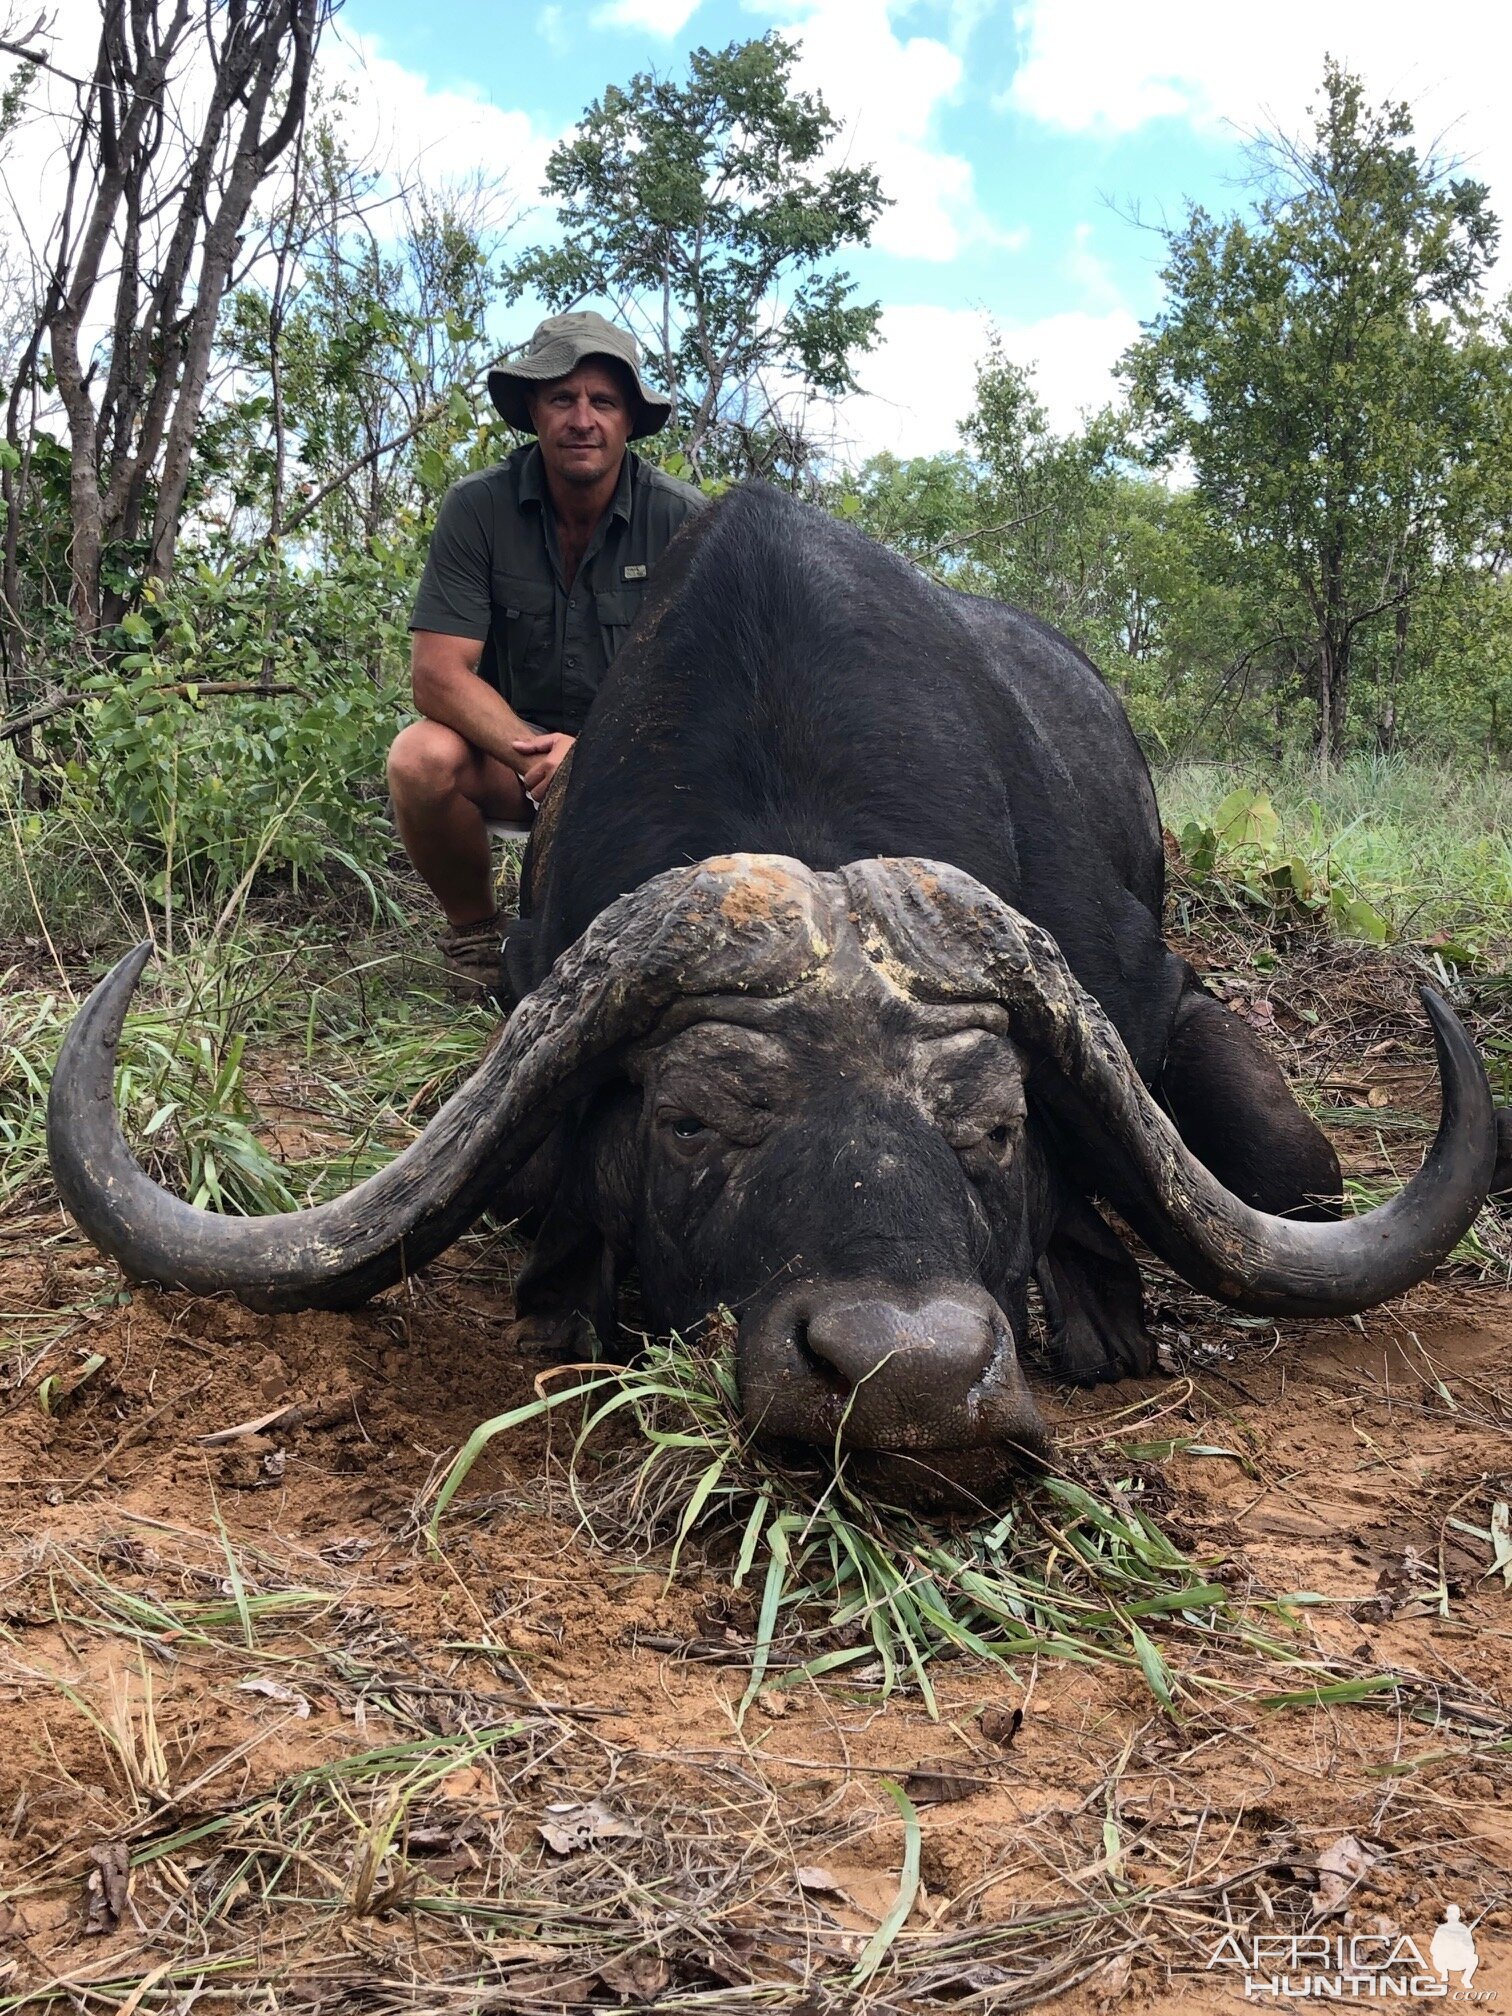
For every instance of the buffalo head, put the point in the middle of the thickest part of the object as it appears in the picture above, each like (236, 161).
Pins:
(831, 1131)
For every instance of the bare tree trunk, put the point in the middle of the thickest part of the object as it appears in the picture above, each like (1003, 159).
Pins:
(135, 428)
(254, 158)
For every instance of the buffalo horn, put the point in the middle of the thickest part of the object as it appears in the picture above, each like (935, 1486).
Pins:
(957, 941)
(731, 925)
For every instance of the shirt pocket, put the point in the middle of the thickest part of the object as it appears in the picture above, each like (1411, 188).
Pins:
(616, 609)
(523, 611)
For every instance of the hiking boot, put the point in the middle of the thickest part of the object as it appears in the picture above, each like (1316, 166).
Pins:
(473, 955)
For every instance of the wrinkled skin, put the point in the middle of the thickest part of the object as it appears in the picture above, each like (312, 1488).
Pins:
(879, 1195)
(854, 1177)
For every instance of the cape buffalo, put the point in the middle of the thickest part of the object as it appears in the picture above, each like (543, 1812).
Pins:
(844, 995)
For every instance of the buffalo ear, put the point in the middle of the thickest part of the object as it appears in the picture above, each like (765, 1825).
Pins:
(608, 1154)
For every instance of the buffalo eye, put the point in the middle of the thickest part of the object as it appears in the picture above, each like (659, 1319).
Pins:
(1000, 1135)
(687, 1128)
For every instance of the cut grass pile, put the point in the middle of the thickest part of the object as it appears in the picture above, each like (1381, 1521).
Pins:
(1077, 1569)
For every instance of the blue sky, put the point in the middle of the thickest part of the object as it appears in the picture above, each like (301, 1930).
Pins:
(1022, 143)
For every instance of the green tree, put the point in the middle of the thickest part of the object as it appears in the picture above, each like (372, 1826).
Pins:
(1322, 368)
(705, 213)
(1069, 528)
(359, 361)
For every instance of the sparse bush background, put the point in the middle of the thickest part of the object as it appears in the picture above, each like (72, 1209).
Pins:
(1288, 552)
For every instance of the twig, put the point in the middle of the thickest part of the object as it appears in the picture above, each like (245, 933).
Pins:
(344, 475)
(209, 689)
(979, 532)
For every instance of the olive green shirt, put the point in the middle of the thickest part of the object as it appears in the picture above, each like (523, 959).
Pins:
(494, 573)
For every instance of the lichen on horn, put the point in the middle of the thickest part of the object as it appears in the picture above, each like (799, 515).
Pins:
(958, 942)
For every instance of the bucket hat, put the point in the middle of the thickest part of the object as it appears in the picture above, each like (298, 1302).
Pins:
(558, 346)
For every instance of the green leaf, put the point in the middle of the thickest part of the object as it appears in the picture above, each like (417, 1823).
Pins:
(1156, 1672)
(878, 1946)
(59, 1389)
(1333, 1691)
(771, 1598)
(697, 1499)
(1358, 918)
(1246, 819)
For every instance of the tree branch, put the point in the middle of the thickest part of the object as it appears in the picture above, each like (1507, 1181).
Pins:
(203, 689)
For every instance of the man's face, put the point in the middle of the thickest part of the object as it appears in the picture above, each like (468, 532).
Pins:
(582, 422)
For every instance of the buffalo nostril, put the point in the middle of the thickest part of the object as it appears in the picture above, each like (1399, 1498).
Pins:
(815, 1362)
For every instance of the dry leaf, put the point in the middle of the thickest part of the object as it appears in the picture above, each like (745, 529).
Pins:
(636, 1977)
(1111, 1981)
(468, 1786)
(571, 1991)
(274, 1418)
(938, 1785)
(107, 1887)
(1340, 1867)
(569, 1828)
(820, 1881)
(999, 1724)
(275, 1690)
(324, 1413)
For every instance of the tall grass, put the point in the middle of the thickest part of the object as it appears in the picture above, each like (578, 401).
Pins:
(228, 1034)
(1428, 844)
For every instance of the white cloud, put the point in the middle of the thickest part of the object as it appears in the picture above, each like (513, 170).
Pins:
(1090, 272)
(921, 379)
(890, 95)
(1073, 355)
(398, 118)
(659, 17)
(1104, 66)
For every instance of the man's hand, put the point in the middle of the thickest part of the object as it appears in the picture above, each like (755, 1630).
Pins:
(544, 754)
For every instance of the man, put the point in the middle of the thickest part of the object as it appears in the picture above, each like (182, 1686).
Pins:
(535, 573)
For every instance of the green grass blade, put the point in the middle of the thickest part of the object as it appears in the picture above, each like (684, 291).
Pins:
(771, 1598)
(880, 1943)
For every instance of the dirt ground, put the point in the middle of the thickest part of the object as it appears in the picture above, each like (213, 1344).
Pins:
(262, 1746)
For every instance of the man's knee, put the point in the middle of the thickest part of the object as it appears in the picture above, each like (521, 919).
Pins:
(426, 762)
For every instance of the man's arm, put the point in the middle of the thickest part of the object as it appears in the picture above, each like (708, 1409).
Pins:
(448, 688)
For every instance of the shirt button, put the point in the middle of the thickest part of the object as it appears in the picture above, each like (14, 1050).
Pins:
(571, 661)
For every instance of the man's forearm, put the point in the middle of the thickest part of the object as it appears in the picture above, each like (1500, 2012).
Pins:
(465, 701)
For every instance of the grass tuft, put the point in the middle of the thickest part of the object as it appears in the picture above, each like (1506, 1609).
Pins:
(847, 1585)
